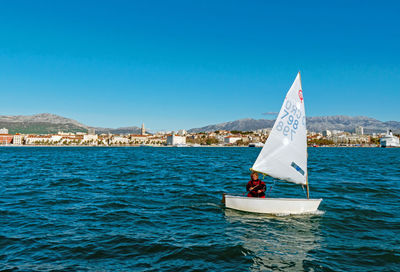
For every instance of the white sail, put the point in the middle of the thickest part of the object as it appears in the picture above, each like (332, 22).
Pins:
(284, 155)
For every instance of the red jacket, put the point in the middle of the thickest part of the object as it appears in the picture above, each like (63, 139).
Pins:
(260, 186)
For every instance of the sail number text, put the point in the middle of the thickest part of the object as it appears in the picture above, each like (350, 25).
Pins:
(289, 121)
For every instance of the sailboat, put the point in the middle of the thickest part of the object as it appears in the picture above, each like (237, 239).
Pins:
(283, 157)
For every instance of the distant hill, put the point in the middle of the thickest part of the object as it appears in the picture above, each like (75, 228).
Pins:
(46, 123)
(121, 130)
(317, 124)
(349, 123)
(241, 125)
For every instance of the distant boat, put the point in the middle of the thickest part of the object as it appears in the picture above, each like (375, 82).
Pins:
(389, 140)
(284, 157)
(181, 145)
(256, 144)
(195, 145)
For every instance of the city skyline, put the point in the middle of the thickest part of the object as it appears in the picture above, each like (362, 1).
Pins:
(183, 65)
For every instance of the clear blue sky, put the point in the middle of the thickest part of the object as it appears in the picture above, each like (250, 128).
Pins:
(184, 64)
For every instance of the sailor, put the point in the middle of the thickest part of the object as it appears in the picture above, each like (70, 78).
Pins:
(255, 187)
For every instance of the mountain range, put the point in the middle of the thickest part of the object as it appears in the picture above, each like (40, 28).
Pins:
(46, 123)
(316, 124)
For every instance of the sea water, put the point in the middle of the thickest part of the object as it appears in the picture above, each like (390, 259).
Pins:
(158, 209)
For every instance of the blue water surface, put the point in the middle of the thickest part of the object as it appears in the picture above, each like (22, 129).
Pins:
(158, 209)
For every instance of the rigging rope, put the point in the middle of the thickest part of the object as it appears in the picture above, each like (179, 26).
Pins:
(302, 186)
(270, 188)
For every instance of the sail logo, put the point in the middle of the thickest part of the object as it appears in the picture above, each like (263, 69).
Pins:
(301, 95)
(298, 168)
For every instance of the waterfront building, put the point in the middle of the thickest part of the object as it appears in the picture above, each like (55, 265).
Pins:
(17, 139)
(37, 139)
(220, 138)
(231, 139)
(55, 138)
(339, 139)
(72, 139)
(91, 131)
(347, 139)
(255, 139)
(90, 137)
(156, 140)
(52, 139)
(6, 139)
(3, 131)
(176, 140)
(138, 139)
(119, 140)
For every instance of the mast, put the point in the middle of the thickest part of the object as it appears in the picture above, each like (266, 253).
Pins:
(308, 188)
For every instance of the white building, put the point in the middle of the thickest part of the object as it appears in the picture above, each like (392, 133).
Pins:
(37, 139)
(340, 139)
(176, 140)
(119, 140)
(231, 139)
(90, 137)
(359, 130)
(56, 138)
(17, 139)
(326, 133)
(220, 138)
(139, 139)
(3, 131)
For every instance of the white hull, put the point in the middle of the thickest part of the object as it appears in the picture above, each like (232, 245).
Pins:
(390, 141)
(271, 205)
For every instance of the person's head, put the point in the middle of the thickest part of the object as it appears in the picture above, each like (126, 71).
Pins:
(254, 176)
